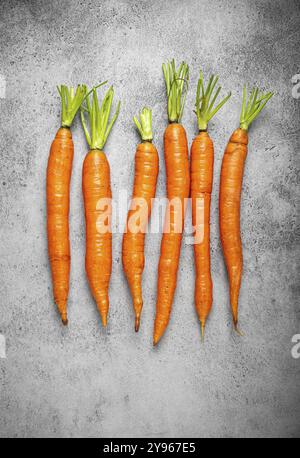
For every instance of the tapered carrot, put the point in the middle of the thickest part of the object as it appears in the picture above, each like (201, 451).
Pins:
(97, 199)
(58, 197)
(145, 178)
(202, 163)
(230, 193)
(178, 188)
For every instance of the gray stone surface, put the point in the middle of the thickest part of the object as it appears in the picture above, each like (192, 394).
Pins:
(82, 380)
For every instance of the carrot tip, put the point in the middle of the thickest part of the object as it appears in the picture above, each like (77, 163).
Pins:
(104, 320)
(202, 332)
(237, 330)
(137, 323)
(64, 318)
(156, 339)
(62, 309)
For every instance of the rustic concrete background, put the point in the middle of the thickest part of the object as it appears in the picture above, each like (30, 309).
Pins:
(82, 380)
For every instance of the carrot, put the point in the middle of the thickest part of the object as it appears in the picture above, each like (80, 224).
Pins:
(202, 164)
(230, 193)
(145, 178)
(178, 187)
(97, 198)
(58, 197)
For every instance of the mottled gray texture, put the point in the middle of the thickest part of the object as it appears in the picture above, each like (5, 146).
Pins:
(81, 380)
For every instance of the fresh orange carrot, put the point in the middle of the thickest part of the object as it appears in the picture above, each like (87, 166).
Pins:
(58, 197)
(178, 188)
(230, 193)
(202, 164)
(97, 199)
(145, 178)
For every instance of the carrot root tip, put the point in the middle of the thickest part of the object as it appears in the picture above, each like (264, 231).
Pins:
(137, 323)
(202, 331)
(237, 330)
(104, 319)
(156, 339)
(64, 317)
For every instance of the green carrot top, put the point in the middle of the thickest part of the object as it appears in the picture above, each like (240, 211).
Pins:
(71, 101)
(251, 108)
(205, 101)
(176, 85)
(144, 126)
(98, 114)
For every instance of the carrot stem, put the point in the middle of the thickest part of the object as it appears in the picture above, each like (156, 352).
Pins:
(251, 108)
(144, 126)
(70, 102)
(176, 86)
(100, 123)
(205, 101)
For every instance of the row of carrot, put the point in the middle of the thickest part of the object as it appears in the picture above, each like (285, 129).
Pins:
(183, 180)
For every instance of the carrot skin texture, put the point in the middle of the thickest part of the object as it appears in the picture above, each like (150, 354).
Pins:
(98, 259)
(145, 179)
(59, 171)
(178, 186)
(230, 196)
(202, 163)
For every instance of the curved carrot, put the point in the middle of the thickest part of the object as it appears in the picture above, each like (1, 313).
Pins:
(58, 197)
(97, 199)
(145, 178)
(202, 164)
(178, 188)
(230, 193)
